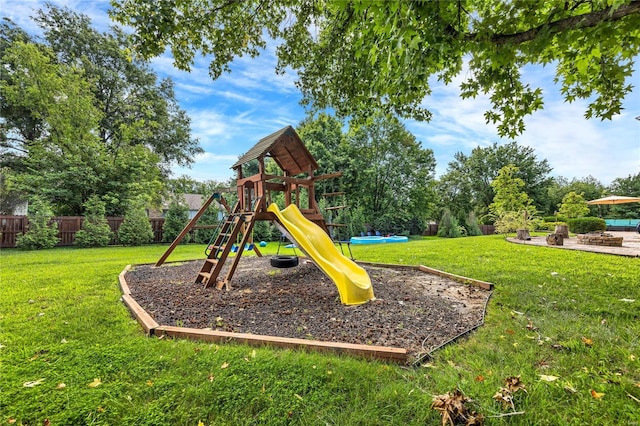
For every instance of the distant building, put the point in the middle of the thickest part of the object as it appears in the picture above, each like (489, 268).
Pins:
(192, 201)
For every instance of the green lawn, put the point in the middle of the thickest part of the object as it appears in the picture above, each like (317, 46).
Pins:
(70, 352)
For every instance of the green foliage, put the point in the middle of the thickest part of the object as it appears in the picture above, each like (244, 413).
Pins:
(397, 49)
(471, 225)
(582, 225)
(175, 220)
(511, 207)
(82, 119)
(558, 218)
(590, 188)
(136, 229)
(95, 230)
(573, 205)
(265, 231)
(466, 186)
(448, 226)
(628, 186)
(42, 233)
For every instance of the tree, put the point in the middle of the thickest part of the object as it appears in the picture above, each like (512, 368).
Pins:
(448, 225)
(466, 186)
(512, 207)
(136, 229)
(175, 220)
(95, 231)
(589, 187)
(573, 205)
(359, 57)
(42, 233)
(81, 119)
(389, 175)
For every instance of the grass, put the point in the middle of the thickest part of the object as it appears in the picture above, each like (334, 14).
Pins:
(554, 313)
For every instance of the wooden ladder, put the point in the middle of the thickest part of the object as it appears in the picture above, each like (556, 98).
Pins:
(237, 222)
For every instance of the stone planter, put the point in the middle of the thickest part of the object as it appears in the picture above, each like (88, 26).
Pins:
(599, 239)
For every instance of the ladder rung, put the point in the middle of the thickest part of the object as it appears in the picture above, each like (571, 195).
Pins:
(337, 225)
(332, 194)
(205, 274)
(212, 260)
(335, 208)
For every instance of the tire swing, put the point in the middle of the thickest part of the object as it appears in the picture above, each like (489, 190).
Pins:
(284, 261)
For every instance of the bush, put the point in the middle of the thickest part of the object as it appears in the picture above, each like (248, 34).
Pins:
(136, 229)
(582, 225)
(448, 226)
(174, 221)
(471, 226)
(554, 219)
(95, 230)
(41, 234)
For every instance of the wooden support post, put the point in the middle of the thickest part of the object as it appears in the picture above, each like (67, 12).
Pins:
(187, 228)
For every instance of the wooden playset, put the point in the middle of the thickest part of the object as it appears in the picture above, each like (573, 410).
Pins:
(254, 193)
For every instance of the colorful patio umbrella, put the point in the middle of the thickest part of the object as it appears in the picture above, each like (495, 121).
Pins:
(615, 199)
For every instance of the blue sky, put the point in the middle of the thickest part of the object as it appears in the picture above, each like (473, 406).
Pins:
(231, 114)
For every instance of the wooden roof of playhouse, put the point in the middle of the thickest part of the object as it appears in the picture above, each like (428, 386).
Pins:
(286, 149)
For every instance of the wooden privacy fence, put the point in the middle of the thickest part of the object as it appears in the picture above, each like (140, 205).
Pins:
(12, 226)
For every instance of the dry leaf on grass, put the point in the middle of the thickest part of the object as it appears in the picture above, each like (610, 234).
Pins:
(596, 395)
(453, 411)
(224, 365)
(546, 378)
(587, 341)
(96, 382)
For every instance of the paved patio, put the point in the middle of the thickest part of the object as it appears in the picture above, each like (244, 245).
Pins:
(630, 244)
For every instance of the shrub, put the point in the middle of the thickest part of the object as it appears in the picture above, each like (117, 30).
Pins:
(136, 229)
(95, 230)
(41, 234)
(448, 226)
(582, 225)
(174, 221)
(471, 225)
(555, 219)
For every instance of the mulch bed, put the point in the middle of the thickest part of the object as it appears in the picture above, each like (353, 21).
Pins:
(412, 310)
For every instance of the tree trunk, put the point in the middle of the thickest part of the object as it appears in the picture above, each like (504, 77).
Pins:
(562, 230)
(523, 234)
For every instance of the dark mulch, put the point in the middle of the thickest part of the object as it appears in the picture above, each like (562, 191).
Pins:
(412, 309)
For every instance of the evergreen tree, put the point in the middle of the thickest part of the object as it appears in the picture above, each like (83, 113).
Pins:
(175, 220)
(95, 230)
(136, 229)
(41, 234)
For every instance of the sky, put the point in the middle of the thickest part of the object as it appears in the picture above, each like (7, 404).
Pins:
(231, 114)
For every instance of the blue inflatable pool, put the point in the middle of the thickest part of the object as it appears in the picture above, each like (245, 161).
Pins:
(378, 240)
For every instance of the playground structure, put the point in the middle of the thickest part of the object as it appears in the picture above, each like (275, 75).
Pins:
(303, 225)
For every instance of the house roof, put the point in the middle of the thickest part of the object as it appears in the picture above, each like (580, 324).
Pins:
(286, 149)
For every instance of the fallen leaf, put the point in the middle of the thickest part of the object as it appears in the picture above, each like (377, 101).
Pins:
(11, 420)
(627, 300)
(149, 383)
(587, 341)
(224, 365)
(514, 384)
(546, 378)
(63, 341)
(61, 386)
(510, 331)
(200, 423)
(210, 377)
(569, 387)
(33, 383)
(632, 357)
(46, 422)
(96, 382)
(479, 378)
(531, 327)
(597, 395)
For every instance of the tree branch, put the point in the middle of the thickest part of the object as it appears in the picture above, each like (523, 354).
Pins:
(572, 23)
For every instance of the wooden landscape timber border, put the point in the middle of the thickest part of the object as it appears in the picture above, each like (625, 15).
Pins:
(386, 353)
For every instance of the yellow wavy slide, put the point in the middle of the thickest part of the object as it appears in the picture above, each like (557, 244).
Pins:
(352, 281)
